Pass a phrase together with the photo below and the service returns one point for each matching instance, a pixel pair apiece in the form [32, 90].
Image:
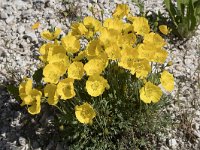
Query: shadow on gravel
[20, 130]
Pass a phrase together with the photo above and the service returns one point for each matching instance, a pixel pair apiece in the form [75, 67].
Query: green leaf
[172, 11]
[191, 16]
[13, 90]
[181, 6]
[37, 77]
[194, 1]
[197, 11]
[183, 28]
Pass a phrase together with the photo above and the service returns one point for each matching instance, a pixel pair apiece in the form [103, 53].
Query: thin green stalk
[59, 108]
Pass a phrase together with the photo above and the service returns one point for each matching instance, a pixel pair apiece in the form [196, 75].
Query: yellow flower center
[95, 85]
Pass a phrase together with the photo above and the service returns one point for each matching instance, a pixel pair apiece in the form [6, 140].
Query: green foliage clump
[185, 15]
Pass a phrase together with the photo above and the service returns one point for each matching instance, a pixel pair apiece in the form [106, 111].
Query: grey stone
[31, 34]
[39, 1]
[93, 1]
[53, 22]
[26, 14]
[38, 148]
[164, 148]
[2, 52]
[198, 113]
[4, 15]
[14, 28]
[3, 134]
[21, 29]
[2, 25]
[13, 46]
[19, 4]
[10, 19]
[173, 143]
[22, 141]
[39, 4]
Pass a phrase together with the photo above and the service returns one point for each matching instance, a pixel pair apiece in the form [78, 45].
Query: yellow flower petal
[78, 29]
[76, 70]
[92, 23]
[167, 81]
[50, 92]
[121, 10]
[96, 85]
[35, 106]
[113, 51]
[141, 25]
[71, 43]
[25, 89]
[36, 25]
[94, 66]
[163, 29]
[113, 24]
[51, 35]
[150, 93]
[160, 56]
[53, 72]
[65, 88]
[154, 39]
[85, 113]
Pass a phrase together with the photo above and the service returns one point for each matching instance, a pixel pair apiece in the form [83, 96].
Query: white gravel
[19, 45]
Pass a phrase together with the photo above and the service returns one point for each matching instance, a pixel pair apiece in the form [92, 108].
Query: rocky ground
[18, 49]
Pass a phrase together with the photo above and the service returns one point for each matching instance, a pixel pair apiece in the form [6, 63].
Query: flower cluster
[123, 39]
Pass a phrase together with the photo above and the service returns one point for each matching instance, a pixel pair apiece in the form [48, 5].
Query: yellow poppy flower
[44, 49]
[78, 29]
[154, 39]
[55, 49]
[30, 96]
[113, 24]
[96, 85]
[81, 55]
[141, 67]
[167, 81]
[107, 36]
[85, 113]
[91, 23]
[128, 56]
[35, 106]
[163, 29]
[113, 51]
[35, 25]
[94, 66]
[141, 25]
[128, 39]
[94, 48]
[121, 10]
[150, 93]
[60, 59]
[127, 28]
[65, 89]
[25, 89]
[76, 70]
[102, 56]
[53, 72]
[160, 56]
[71, 43]
[51, 35]
[50, 92]
[128, 34]
[146, 51]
